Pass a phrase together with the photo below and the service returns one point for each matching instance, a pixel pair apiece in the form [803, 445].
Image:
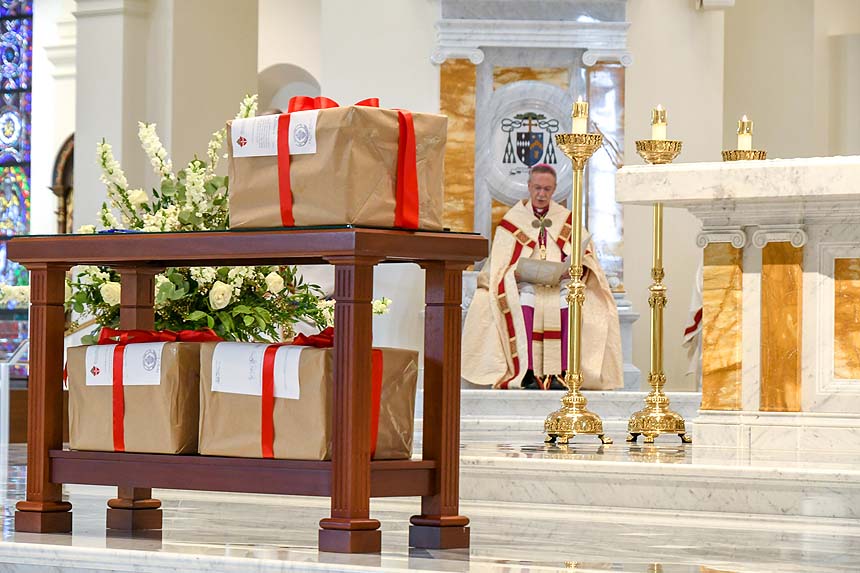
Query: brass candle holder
[656, 418]
[573, 417]
[744, 154]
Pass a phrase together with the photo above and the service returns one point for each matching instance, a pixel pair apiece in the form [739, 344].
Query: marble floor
[256, 533]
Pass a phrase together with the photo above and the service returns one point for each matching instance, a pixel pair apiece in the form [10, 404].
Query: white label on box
[237, 368]
[303, 132]
[255, 136]
[258, 136]
[141, 365]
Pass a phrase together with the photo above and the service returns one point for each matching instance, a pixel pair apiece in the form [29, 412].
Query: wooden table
[350, 478]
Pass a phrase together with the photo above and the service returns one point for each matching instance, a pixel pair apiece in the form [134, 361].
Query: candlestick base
[744, 154]
[658, 151]
[656, 418]
[573, 418]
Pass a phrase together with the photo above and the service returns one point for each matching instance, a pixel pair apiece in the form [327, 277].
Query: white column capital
[441, 54]
[592, 57]
[734, 235]
[794, 234]
[62, 54]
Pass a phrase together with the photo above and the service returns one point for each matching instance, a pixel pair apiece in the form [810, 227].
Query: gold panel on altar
[846, 323]
[722, 300]
[781, 313]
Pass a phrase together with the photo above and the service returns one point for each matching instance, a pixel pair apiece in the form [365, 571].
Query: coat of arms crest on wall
[534, 141]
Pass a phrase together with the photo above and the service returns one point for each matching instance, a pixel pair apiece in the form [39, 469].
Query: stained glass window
[16, 73]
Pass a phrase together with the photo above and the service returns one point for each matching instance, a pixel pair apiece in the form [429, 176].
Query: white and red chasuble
[495, 342]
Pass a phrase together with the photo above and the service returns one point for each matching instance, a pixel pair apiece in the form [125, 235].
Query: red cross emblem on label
[242, 141]
[95, 371]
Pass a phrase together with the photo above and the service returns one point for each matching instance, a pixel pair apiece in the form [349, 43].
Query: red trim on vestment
[697, 319]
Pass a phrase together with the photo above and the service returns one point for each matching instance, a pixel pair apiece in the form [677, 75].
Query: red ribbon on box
[406, 191]
[122, 338]
[324, 339]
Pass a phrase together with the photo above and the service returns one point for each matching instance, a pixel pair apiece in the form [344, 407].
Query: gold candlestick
[656, 418]
[573, 417]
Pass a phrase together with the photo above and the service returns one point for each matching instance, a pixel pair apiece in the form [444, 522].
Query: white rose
[138, 197]
[86, 230]
[110, 292]
[274, 282]
[220, 295]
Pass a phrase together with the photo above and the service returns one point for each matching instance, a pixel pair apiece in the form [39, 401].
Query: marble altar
[781, 312]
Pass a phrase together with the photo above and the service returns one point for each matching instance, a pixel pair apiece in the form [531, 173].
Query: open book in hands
[536, 271]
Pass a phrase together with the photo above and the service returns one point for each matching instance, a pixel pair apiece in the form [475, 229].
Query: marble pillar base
[778, 431]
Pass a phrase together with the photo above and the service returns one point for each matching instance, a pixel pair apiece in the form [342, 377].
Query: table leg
[439, 525]
[350, 528]
[133, 507]
[44, 510]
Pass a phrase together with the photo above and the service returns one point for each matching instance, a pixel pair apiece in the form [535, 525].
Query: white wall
[769, 77]
[53, 105]
[381, 48]
[289, 32]
[837, 76]
[677, 62]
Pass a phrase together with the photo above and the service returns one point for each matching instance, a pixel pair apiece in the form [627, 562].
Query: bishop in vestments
[515, 334]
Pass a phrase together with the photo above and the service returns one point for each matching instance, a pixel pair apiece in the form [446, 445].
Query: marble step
[537, 404]
[665, 478]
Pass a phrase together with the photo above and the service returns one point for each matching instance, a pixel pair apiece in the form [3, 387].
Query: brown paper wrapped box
[230, 423]
[351, 177]
[159, 419]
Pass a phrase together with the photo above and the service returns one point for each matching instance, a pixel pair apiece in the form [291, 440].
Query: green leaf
[197, 315]
[89, 339]
[210, 322]
[249, 320]
[263, 313]
[241, 309]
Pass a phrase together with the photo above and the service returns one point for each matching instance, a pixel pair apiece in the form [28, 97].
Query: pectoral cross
[542, 223]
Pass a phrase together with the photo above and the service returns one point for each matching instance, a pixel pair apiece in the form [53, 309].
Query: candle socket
[658, 151]
[744, 154]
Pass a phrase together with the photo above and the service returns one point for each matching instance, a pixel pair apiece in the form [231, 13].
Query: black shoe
[556, 382]
[530, 382]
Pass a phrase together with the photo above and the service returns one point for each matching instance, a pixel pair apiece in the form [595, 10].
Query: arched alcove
[278, 83]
